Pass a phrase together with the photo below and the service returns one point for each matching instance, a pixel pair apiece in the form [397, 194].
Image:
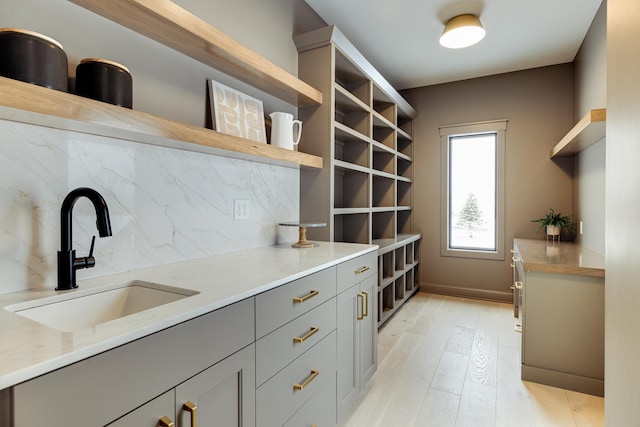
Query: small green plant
[557, 219]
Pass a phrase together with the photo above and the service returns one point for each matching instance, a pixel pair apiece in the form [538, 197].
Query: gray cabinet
[356, 330]
[103, 388]
[562, 324]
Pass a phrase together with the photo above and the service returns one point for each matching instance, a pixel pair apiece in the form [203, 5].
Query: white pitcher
[283, 129]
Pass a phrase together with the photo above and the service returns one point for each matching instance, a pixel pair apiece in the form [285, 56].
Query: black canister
[33, 58]
[105, 81]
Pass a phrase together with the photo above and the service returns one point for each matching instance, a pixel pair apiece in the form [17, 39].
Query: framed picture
[235, 113]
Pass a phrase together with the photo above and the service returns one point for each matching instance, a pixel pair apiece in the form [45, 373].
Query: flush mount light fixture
[462, 31]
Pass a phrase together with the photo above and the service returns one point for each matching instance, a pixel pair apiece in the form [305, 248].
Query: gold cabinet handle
[362, 270]
[191, 409]
[314, 374]
[303, 338]
[512, 251]
[165, 422]
[518, 285]
[310, 295]
[365, 305]
[512, 265]
[518, 327]
[361, 298]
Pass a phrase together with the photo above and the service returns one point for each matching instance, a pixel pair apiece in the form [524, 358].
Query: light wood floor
[445, 361]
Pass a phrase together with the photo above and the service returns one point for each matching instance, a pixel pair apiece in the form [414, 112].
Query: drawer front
[278, 399]
[279, 348]
[135, 373]
[278, 306]
[356, 270]
[319, 411]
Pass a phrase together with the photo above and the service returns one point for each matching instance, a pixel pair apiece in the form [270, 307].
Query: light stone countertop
[30, 349]
[560, 257]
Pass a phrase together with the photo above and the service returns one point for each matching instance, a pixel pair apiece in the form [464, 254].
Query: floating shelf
[173, 26]
[27, 103]
[589, 130]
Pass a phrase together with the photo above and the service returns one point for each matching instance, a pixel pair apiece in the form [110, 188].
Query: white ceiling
[400, 37]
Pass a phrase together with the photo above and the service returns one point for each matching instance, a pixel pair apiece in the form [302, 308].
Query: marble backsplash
[166, 205]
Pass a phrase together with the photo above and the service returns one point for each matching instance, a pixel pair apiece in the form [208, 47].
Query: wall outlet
[240, 209]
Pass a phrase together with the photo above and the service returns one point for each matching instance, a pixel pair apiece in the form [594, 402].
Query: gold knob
[314, 374]
[306, 336]
[191, 409]
[310, 295]
[165, 422]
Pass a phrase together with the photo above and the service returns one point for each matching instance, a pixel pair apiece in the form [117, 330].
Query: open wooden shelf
[173, 26]
[27, 103]
[589, 130]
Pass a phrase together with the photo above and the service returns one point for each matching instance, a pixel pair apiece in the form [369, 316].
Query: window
[472, 201]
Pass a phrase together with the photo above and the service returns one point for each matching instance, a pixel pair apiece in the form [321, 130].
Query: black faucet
[67, 261]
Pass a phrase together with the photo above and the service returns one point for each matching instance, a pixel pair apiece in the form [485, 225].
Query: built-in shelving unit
[589, 130]
[27, 103]
[173, 26]
[363, 132]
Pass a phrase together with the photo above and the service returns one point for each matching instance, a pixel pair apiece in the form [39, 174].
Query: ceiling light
[462, 31]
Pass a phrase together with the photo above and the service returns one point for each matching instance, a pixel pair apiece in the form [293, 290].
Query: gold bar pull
[313, 330]
[191, 409]
[365, 305]
[361, 298]
[310, 295]
[165, 422]
[518, 285]
[314, 374]
[518, 327]
[362, 270]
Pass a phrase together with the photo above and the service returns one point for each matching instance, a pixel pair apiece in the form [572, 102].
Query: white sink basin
[83, 309]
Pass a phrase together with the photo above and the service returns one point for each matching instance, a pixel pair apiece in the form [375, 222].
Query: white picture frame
[235, 113]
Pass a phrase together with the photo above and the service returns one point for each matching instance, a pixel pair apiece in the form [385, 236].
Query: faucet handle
[88, 261]
[93, 242]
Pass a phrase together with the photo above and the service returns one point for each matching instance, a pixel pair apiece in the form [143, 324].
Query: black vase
[105, 81]
[33, 58]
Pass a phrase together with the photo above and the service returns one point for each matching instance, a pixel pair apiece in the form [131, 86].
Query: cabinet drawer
[277, 399]
[319, 411]
[356, 270]
[276, 307]
[277, 349]
[132, 374]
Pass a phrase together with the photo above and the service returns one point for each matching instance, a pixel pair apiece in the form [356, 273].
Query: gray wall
[622, 293]
[538, 105]
[590, 82]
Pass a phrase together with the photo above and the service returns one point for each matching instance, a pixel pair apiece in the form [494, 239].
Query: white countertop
[30, 349]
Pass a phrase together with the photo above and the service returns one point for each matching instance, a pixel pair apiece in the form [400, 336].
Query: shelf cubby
[404, 193]
[385, 136]
[348, 76]
[359, 121]
[399, 258]
[405, 146]
[383, 194]
[404, 167]
[388, 298]
[408, 281]
[386, 109]
[383, 160]
[351, 147]
[352, 228]
[351, 189]
[409, 254]
[399, 290]
[386, 267]
[383, 225]
[403, 222]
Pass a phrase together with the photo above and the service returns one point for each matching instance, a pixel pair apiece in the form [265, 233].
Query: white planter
[553, 230]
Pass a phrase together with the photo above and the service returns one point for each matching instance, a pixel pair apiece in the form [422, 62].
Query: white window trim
[499, 127]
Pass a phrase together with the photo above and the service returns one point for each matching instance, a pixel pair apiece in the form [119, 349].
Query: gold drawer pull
[361, 298]
[165, 422]
[314, 374]
[311, 294]
[518, 285]
[191, 409]
[362, 270]
[313, 330]
[518, 327]
[365, 305]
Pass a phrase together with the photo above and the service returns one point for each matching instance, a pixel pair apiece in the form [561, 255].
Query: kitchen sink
[82, 309]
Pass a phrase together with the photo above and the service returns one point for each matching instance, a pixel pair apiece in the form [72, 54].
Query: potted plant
[555, 222]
